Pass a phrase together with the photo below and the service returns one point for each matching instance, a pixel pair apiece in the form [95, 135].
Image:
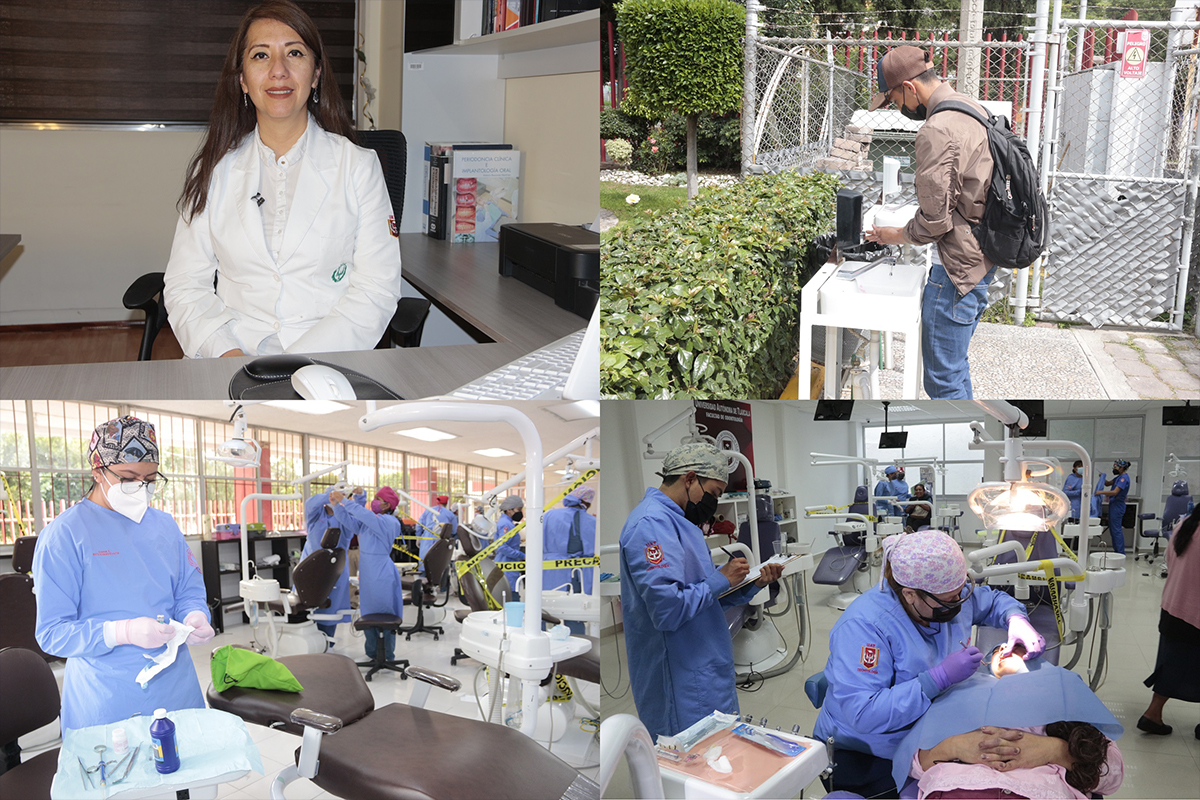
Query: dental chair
[845, 564]
[1178, 505]
[1042, 614]
[30, 699]
[400, 751]
[19, 602]
[312, 581]
[437, 568]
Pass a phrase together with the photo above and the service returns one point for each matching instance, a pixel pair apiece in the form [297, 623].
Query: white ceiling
[343, 425]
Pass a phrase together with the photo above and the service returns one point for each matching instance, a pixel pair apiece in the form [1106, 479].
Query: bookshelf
[474, 90]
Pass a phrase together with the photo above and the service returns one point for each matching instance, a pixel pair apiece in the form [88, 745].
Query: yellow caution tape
[472, 564]
[556, 563]
[562, 689]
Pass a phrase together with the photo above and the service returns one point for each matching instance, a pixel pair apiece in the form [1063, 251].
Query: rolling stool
[378, 625]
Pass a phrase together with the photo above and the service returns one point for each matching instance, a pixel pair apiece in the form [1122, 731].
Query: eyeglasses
[935, 601]
[135, 485]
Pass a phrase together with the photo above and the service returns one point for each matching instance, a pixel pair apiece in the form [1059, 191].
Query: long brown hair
[231, 119]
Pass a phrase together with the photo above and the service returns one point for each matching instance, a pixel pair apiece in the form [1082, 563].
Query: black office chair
[437, 575]
[29, 697]
[19, 619]
[407, 324]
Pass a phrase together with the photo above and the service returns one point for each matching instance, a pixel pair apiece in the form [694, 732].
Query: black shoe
[1157, 728]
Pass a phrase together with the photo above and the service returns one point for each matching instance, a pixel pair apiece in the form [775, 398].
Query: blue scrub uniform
[509, 551]
[900, 489]
[558, 526]
[876, 657]
[1073, 489]
[1116, 511]
[318, 522]
[379, 589]
[93, 565]
[680, 651]
[882, 507]
[427, 526]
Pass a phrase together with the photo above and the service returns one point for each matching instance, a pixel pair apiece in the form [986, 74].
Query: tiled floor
[578, 747]
[1155, 766]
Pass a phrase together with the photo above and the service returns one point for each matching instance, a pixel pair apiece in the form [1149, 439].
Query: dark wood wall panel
[135, 61]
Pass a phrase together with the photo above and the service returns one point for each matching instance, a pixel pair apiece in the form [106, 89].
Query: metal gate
[1123, 172]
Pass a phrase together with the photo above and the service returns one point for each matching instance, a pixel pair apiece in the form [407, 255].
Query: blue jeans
[947, 324]
[371, 643]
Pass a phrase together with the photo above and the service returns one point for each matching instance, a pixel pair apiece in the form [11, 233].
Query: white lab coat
[337, 281]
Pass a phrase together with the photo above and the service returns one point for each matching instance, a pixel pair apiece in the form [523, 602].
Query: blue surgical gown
[900, 489]
[876, 655]
[93, 565]
[680, 650]
[556, 538]
[379, 589]
[1073, 489]
[512, 550]
[1116, 503]
[427, 527]
[318, 523]
[882, 507]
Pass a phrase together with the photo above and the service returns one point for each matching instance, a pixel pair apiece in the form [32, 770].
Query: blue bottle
[162, 738]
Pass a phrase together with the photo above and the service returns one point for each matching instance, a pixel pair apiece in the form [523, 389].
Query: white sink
[868, 299]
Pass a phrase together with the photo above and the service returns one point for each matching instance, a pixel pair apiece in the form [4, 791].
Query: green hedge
[704, 301]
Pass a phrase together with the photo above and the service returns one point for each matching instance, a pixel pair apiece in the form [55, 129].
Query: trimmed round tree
[682, 56]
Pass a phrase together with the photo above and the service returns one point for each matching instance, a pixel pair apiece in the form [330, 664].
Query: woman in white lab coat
[280, 206]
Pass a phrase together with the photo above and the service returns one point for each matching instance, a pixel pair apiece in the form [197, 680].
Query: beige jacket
[954, 170]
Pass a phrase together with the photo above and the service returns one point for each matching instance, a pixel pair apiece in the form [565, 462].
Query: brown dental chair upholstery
[18, 601]
[402, 752]
[313, 579]
[29, 697]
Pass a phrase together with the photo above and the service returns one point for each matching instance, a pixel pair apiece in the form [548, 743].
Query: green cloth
[235, 666]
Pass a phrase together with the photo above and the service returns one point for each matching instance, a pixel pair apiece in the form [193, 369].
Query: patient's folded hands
[984, 746]
[1032, 750]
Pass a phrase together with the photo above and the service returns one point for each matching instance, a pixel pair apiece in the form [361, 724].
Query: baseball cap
[898, 65]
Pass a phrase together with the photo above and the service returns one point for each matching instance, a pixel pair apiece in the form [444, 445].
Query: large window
[959, 470]
[43, 465]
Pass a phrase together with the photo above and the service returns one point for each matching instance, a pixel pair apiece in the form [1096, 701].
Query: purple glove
[1019, 630]
[956, 667]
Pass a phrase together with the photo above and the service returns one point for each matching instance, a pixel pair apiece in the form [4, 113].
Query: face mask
[918, 114]
[379, 507]
[900, 476]
[940, 613]
[518, 516]
[132, 505]
[699, 513]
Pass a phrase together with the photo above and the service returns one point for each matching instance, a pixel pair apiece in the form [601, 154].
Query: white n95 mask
[128, 504]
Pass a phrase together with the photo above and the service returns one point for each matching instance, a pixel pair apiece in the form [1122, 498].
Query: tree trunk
[692, 179]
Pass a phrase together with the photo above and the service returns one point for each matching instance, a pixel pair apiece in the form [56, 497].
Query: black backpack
[1012, 232]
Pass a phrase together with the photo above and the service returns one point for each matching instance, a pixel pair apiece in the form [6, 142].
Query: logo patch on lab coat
[339, 273]
[654, 553]
[870, 656]
[392, 229]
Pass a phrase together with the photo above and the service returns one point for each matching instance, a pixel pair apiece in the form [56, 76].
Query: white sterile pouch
[167, 657]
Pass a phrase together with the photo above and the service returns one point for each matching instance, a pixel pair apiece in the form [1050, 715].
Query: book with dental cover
[485, 187]
[437, 206]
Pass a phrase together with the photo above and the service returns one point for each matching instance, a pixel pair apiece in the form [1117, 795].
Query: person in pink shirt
[1175, 674]
[1062, 759]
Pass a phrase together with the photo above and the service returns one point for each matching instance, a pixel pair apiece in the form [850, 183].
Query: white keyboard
[537, 376]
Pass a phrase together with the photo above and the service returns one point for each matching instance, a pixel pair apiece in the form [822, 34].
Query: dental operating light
[1019, 505]
[240, 450]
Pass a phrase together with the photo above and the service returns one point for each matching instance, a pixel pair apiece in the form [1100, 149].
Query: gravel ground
[639, 179]
[1013, 362]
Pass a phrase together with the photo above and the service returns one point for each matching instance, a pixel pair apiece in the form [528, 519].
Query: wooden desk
[462, 280]
[7, 242]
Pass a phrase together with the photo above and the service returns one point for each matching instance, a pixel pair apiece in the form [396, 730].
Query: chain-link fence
[1121, 166]
[1123, 172]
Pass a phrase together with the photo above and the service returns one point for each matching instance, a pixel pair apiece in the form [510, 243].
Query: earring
[245, 99]
[316, 96]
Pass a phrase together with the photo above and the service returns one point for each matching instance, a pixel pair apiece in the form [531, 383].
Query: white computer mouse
[316, 382]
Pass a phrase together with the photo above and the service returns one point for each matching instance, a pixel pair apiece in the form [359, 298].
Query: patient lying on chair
[1056, 726]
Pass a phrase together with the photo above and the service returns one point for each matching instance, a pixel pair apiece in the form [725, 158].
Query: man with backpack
[953, 174]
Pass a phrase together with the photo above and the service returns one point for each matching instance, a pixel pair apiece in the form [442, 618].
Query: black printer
[562, 261]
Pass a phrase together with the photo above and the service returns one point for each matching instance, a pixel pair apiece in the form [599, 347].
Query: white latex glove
[142, 632]
[204, 632]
